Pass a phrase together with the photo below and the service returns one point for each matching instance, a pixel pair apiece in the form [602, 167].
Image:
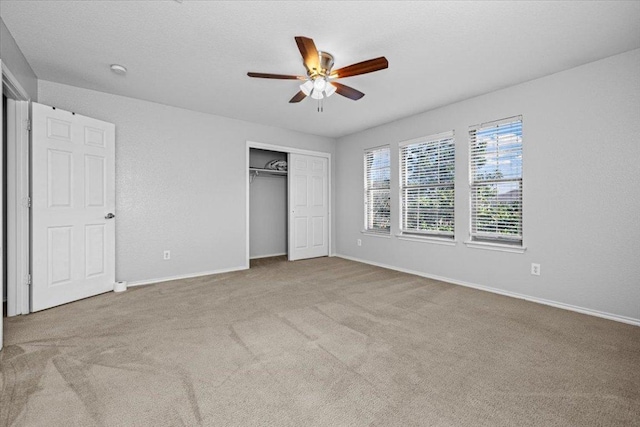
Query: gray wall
[268, 208]
[180, 181]
[581, 190]
[15, 61]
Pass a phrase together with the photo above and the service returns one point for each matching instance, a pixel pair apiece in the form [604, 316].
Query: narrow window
[427, 171]
[377, 173]
[496, 181]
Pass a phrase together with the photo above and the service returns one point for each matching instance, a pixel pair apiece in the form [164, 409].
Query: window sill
[374, 234]
[426, 239]
[500, 247]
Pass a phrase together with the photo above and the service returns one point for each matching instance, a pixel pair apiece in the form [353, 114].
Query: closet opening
[288, 203]
[268, 207]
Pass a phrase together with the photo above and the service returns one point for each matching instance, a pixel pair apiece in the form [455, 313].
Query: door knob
[109, 216]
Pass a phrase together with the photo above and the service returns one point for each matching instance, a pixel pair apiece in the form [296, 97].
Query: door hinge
[28, 201]
[28, 124]
[29, 279]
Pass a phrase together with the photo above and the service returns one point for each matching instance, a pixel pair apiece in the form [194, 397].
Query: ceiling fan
[320, 79]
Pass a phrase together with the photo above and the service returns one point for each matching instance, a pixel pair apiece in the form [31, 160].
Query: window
[496, 181]
[427, 169]
[377, 173]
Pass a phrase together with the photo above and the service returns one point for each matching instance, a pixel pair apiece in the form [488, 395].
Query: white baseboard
[267, 256]
[589, 311]
[184, 276]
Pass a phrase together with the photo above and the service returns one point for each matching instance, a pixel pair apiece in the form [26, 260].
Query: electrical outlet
[359, 242]
[167, 254]
[535, 269]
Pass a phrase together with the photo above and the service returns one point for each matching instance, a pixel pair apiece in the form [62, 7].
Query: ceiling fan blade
[275, 76]
[347, 91]
[298, 97]
[309, 52]
[363, 67]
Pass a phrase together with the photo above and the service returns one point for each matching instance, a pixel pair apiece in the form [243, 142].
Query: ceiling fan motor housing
[325, 64]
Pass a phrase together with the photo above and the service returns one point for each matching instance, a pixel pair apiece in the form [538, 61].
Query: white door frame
[288, 150]
[18, 181]
[1, 211]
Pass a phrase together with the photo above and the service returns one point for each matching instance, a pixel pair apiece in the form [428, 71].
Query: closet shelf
[257, 171]
[253, 172]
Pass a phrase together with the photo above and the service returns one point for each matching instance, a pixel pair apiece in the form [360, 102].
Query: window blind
[377, 174]
[496, 181]
[427, 171]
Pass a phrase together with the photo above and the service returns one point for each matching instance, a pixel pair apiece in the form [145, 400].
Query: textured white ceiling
[196, 54]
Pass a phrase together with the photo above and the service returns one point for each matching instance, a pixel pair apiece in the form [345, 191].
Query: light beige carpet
[324, 342]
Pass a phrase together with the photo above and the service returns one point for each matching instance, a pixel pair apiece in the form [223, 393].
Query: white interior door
[73, 203]
[308, 206]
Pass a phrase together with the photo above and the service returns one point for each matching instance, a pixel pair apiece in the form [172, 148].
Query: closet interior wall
[267, 207]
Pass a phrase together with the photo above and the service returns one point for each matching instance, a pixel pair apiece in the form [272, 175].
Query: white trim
[13, 213]
[428, 138]
[1, 216]
[496, 122]
[426, 239]
[268, 256]
[374, 234]
[500, 247]
[289, 225]
[247, 202]
[17, 209]
[288, 150]
[184, 276]
[561, 305]
[14, 88]
[379, 147]
[18, 239]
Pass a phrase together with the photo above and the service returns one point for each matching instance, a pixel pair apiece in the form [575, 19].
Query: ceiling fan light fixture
[319, 84]
[307, 87]
[316, 94]
[329, 90]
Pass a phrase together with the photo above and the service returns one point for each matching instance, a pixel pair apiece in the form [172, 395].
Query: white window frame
[368, 220]
[488, 240]
[446, 237]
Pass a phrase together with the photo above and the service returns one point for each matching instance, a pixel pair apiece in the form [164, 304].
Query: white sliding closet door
[308, 207]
